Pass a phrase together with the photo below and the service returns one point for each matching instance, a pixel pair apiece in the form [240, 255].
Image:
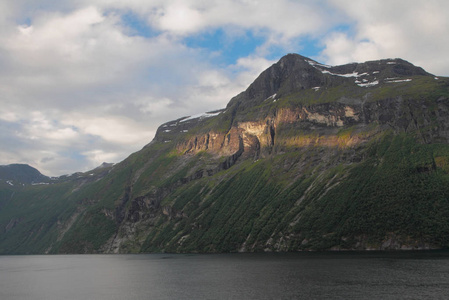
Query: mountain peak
[104, 165]
[292, 59]
[294, 73]
[291, 72]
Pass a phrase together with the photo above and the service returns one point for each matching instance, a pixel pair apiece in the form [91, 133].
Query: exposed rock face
[250, 138]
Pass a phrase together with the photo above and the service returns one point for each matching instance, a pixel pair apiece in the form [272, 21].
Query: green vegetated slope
[398, 191]
[339, 167]
[30, 216]
[35, 218]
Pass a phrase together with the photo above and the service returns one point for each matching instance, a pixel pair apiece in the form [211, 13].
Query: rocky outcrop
[323, 121]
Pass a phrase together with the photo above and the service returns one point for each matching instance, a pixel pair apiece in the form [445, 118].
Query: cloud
[113, 129]
[98, 156]
[84, 82]
[412, 30]
[292, 17]
[81, 50]
[75, 81]
[279, 23]
[179, 18]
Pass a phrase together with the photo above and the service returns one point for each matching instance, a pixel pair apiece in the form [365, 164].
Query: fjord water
[409, 275]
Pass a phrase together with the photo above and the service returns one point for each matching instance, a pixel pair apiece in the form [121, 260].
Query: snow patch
[376, 72]
[272, 97]
[184, 131]
[314, 63]
[399, 80]
[167, 130]
[201, 116]
[354, 74]
[391, 63]
[436, 78]
[368, 84]
[316, 88]
[9, 182]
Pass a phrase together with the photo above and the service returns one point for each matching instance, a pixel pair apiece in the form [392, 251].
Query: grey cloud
[46, 160]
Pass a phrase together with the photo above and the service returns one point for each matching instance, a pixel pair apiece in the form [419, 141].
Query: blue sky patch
[230, 48]
[138, 25]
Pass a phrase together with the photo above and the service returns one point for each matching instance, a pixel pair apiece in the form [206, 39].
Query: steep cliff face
[308, 157]
[252, 137]
[319, 124]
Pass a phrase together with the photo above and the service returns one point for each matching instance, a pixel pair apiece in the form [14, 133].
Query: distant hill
[308, 157]
[21, 174]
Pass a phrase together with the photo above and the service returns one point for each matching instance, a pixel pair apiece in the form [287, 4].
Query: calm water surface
[227, 276]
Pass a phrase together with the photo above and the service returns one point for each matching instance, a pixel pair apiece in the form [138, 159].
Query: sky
[89, 81]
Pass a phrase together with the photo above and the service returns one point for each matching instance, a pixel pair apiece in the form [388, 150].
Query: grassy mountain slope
[308, 157]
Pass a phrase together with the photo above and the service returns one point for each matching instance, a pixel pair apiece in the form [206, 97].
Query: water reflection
[227, 276]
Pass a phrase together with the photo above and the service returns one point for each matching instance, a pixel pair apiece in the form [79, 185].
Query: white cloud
[98, 156]
[8, 116]
[76, 81]
[75, 76]
[277, 22]
[40, 128]
[179, 18]
[114, 129]
[413, 30]
[81, 49]
[253, 66]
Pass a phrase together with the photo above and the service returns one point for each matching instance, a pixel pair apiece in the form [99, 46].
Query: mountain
[21, 174]
[308, 157]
